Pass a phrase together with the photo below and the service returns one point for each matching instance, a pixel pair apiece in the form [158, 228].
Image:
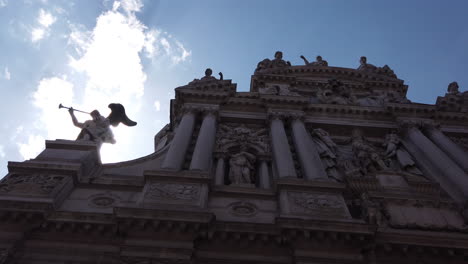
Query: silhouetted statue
[319, 61]
[98, 128]
[277, 62]
[453, 88]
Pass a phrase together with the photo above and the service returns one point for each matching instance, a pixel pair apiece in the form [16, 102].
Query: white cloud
[7, 73]
[3, 3]
[49, 94]
[44, 21]
[157, 104]
[2, 152]
[37, 34]
[32, 147]
[109, 58]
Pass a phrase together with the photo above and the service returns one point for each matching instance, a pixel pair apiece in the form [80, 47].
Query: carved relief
[336, 92]
[103, 200]
[32, 184]
[319, 204]
[243, 209]
[235, 136]
[173, 191]
[278, 89]
[418, 216]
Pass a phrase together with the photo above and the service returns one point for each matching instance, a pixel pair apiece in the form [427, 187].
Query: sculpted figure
[453, 88]
[208, 77]
[277, 62]
[319, 61]
[364, 66]
[241, 165]
[394, 150]
[98, 128]
[337, 93]
[327, 150]
[365, 154]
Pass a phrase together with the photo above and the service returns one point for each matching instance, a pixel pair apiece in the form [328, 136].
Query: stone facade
[316, 164]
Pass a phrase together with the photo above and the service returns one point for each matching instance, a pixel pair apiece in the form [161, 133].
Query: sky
[89, 53]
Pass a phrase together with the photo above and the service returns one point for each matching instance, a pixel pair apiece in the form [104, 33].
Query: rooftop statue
[98, 128]
[277, 62]
[385, 70]
[208, 77]
[453, 88]
[319, 61]
[364, 66]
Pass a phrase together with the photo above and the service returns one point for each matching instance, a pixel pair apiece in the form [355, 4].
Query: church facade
[315, 164]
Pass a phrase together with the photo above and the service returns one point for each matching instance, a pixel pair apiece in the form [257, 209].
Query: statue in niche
[241, 166]
[98, 128]
[277, 62]
[453, 88]
[336, 92]
[327, 150]
[319, 61]
[395, 152]
[366, 156]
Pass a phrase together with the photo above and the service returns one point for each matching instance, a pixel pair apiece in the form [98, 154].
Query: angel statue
[98, 128]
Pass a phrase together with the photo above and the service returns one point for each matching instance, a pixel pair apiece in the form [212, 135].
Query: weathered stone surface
[315, 164]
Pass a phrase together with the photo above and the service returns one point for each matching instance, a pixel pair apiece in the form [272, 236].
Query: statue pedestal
[44, 182]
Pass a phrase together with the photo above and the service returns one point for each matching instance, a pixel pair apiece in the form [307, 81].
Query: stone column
[448, 146]
[438, 159]
[264, 175]
[308, 155]
[202, 154]
[220, 169]
[176, 154]
[280, 146]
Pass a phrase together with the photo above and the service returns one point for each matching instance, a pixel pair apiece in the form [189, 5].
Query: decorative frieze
[32, 184]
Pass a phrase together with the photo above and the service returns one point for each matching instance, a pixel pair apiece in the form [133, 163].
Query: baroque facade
[315, 164]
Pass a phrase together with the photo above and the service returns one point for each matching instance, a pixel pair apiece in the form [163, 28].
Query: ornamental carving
[312, 202]
[173, 191]
[327, 150]
[31, 183]
[103, 200]
[231, 137]
[243, 209]
[278, 89]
